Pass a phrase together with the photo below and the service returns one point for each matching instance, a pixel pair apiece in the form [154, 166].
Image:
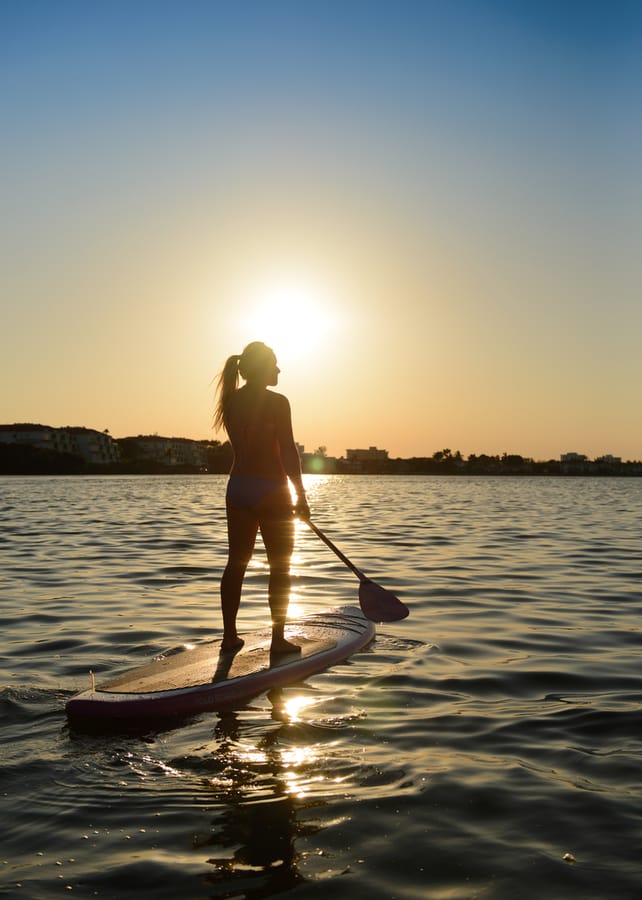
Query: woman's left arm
[290, 454]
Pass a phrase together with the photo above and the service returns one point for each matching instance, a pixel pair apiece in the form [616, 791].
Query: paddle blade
[380, 605]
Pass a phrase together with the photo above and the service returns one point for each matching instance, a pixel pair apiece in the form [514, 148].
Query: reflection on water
[489, 746]
[257, 827]
[265, 793]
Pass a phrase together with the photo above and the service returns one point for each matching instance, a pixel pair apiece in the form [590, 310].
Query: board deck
[205, 677]
[207, 664]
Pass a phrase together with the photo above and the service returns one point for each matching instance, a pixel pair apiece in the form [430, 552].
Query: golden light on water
[294, 764]
[295, 609]
[293, 706]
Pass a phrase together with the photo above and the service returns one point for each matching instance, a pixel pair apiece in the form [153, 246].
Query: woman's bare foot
[232, 643]
[280, 645]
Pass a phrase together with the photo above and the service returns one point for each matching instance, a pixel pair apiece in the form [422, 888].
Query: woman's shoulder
[246, 403]
[277, 401]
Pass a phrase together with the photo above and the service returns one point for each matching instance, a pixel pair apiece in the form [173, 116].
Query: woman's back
[254, 423]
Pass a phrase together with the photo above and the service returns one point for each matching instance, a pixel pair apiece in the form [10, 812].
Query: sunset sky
[431, 210]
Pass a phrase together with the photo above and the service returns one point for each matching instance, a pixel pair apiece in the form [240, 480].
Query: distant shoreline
[157, 470]
[215, 458]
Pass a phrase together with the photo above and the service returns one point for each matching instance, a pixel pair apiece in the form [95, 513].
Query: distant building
[370, 461]
[573, 458]
[576, 464]
[41, 436]
[372, 454]
[167, 451]
[94, 447]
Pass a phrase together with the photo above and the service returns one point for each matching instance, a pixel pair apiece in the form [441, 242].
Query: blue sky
[453, 186]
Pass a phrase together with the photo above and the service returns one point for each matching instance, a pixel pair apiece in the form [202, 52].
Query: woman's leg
[277, 531]
[242, 526]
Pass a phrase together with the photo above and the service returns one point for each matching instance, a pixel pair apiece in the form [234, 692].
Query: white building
[95, 447]
[42, 436]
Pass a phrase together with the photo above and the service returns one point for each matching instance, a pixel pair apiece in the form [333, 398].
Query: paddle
[377, 604]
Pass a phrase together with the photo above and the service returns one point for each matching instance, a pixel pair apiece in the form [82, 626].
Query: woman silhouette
[259, 426]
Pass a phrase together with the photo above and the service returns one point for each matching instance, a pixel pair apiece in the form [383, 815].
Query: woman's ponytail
[250, 364]
[226, 385]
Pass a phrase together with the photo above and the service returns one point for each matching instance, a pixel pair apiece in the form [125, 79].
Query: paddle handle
[344, 559]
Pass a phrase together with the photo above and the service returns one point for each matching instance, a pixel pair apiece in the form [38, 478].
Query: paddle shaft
[342, 556]
[377, 604]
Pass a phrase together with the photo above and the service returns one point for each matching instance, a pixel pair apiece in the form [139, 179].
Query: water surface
[487, 747]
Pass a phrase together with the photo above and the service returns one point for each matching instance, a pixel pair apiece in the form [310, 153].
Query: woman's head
[256, 365]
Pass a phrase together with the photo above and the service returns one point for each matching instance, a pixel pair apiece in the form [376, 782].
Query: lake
[489, 746]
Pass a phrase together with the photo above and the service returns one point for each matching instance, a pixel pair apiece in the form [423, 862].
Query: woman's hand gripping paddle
[377, 604]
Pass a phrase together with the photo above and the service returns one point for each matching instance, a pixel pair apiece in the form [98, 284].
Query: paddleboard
[202, 676]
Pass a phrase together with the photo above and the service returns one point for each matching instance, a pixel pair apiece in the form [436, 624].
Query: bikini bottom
[256, 493]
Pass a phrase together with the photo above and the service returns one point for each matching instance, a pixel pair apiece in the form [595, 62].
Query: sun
[294, 318]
